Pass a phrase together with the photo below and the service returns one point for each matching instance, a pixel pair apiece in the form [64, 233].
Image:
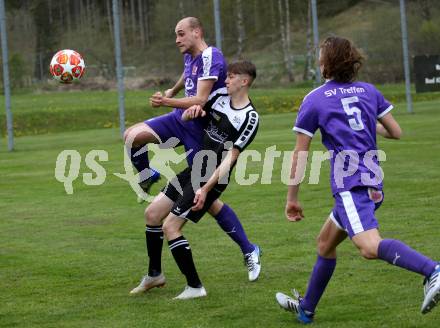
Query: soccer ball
[67, 66]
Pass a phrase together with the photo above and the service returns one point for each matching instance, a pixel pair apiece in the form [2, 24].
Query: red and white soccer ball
[67, 66]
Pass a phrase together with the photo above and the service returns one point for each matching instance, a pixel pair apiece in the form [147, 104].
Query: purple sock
[229, 222]
[397, 253]
[321, 275]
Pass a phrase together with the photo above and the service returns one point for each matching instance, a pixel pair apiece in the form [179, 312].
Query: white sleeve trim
[310, 134]
[208, 78]
[386, 111]
[207, 61]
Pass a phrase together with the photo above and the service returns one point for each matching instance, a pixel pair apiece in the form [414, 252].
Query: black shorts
[183, 197]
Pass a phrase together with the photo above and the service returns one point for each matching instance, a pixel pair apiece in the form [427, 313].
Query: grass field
[70, 260]
[54, 112]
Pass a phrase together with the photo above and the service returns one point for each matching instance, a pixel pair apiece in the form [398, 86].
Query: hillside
[150, 57]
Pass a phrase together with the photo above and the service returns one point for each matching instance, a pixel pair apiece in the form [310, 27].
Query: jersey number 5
[353, 112]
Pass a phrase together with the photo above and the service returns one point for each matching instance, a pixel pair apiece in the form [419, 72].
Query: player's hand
[193, 112]
[199, 199]
[156, 99]
[294, 211]
[169, 93]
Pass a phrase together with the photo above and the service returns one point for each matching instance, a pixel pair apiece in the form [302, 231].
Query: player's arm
[193, 112]
[388, 127]
[299, 162]
[221, 171]
[204, 88]
[180, 84]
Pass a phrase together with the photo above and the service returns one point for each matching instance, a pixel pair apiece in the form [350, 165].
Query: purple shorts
[189, 133]
[354, 210]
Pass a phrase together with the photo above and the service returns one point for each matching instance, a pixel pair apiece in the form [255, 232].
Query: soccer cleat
[293, 305]
[147, 183]
[147, 283]
[432, 291]
[252, 261]
[191, 292]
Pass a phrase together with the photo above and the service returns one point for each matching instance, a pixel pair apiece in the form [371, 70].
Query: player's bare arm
[388, 127]
[204, 88]
[180, 84]
[221, 171]
[193, 112]
[293, 209]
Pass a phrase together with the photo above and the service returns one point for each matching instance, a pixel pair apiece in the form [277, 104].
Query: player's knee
[324, 248]
[170, 230]
[368, 252]
[152, 216]
[129, 138]
[126, 134]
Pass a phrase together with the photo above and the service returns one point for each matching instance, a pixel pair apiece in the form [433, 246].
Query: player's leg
[181, 251]
[155, 130]
[397, 253]
[136, 139]
[357, 211]
[229, 222]
[155, 213]
[393, 251]
[179, 246]
[330, 236]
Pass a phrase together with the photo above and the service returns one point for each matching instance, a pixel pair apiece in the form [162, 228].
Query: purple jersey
[346, 114]
[209, 65]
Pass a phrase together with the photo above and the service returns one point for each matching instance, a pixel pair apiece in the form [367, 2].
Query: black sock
[182, 255]
[154, 240]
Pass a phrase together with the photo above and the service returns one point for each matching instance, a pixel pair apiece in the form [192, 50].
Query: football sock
[140, 162]
[154, 240]
[229, 222]
[397, 253]
[321, 275]
[182, 255]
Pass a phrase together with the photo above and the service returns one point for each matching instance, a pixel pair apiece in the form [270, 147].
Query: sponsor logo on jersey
[236, 120]
[189, 84]
[215, 134]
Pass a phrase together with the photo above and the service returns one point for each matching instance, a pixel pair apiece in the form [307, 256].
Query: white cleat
[148, 282]
[293, 305]
[191, 292]
[432, 291]
[252, 261]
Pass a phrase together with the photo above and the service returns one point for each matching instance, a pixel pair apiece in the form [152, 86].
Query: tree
[47, 35]
[240, 29]
[284, 23]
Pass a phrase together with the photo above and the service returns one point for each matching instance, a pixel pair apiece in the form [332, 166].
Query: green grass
[70, 260]
[54, 112]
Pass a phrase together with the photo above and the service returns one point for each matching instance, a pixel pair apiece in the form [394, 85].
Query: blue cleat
[432, 291]
[147, 183]
[293, 305]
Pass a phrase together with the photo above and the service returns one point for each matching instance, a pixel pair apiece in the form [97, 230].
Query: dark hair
[243, 67]
[340, 59]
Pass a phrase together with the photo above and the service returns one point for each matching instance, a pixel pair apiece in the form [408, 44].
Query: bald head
[189, 36]
[192, 23]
